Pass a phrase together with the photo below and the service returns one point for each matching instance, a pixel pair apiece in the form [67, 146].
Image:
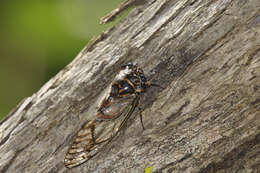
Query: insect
[116, 108]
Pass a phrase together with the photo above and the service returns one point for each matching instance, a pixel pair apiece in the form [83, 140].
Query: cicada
[115, 109]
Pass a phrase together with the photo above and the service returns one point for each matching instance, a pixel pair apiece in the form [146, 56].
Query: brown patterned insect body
[115, 109]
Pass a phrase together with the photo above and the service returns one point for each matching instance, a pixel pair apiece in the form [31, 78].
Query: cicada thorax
[122, 93]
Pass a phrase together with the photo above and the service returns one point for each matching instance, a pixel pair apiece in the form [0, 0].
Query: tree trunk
[207, 119]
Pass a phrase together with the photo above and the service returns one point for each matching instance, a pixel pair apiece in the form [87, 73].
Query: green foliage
[148, 170]
[38, 38]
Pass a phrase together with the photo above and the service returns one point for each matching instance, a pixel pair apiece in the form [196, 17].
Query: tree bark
[207, 119]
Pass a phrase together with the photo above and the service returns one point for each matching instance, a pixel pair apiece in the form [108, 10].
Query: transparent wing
[95, 135]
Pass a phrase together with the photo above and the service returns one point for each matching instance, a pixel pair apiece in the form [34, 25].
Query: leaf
[148, 170]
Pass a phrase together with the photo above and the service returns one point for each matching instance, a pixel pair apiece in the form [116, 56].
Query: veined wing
[95, 135]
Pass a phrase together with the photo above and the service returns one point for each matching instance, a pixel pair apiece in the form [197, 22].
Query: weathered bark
[207, 119]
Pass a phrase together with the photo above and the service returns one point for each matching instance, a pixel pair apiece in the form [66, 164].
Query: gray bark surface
[206, 53]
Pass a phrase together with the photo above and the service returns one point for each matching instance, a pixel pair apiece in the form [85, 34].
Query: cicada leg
[149, 84]
[141, 115]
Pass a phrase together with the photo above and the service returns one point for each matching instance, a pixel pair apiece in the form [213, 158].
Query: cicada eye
[123, 67]
[129, 65]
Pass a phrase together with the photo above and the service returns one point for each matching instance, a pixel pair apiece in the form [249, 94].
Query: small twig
[116, 12]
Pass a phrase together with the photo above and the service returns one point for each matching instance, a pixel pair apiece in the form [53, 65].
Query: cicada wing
[79, 151]
[123, 119]
[110, 129]
[93, 137]
[88, 142]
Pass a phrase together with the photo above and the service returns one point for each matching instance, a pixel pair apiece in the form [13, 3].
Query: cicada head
[134, 75]
[127, 69]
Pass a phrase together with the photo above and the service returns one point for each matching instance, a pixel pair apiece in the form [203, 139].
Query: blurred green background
[39, 38]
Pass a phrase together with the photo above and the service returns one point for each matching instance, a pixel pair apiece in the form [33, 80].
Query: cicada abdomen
[116, 108]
